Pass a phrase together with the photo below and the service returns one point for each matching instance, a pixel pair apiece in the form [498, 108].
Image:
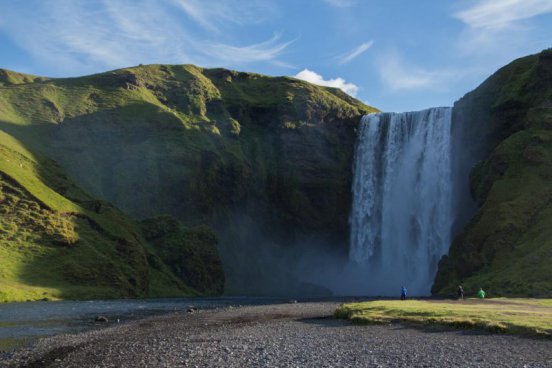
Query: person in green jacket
[481, 294]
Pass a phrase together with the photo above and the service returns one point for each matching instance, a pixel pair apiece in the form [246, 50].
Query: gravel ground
[285, 335]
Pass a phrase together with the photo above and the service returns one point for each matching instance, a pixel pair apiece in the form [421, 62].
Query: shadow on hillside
[100, 264]
[107, 151]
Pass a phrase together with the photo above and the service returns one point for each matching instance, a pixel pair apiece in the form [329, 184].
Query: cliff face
[264, 161]
[506, 248]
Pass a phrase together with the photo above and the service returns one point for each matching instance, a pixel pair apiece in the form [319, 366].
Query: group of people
[460, 292]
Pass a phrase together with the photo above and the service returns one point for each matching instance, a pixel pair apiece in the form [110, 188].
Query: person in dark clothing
[460, 292]
[403, 293]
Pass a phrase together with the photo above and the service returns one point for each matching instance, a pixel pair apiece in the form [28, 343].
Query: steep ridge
[507, 246]
[266, 162]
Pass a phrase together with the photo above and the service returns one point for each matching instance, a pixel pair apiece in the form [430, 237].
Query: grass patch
[518, 316]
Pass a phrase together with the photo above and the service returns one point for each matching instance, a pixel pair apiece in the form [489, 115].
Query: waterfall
[402, 199]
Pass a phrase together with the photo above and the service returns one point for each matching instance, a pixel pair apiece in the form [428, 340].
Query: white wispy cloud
[493, 14]
[356, 52]
[210, 15]
[315, 78]
[283, 64]
[341, 3]
[495, 32]
[73, 37]
[263, 51]
[397, 76]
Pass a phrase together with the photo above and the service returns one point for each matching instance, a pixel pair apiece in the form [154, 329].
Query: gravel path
[285, 335]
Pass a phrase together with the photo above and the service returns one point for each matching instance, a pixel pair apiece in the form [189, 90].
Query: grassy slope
[523, 316]
[200, 145]
[53, 244]
[507, 247]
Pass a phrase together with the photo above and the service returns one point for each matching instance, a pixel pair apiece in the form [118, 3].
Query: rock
[102, 319]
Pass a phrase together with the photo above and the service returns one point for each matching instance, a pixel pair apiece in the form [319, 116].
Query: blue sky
[397, 55]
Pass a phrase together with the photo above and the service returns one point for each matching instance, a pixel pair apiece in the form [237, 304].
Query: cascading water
[402, 199]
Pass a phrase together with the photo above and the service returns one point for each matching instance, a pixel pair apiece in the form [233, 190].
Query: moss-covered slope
[507, 246]
[58, 243]
[198, 262]
[244, 153]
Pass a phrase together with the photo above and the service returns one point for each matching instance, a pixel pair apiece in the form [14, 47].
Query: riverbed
[23, 323]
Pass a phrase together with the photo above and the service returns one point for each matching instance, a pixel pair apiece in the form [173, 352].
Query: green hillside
[238, 152]
[507, 246]
[57, 242]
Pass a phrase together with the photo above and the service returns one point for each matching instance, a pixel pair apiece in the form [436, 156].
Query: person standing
[481, 294]
[403, 293]
[460, 292]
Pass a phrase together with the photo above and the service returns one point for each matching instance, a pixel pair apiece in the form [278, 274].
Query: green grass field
[519, 316]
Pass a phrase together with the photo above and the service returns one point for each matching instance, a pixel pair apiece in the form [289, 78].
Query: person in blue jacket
[403, 293]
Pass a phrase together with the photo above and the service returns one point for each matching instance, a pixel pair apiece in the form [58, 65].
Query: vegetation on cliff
[206, 146]
[190, 253]
[507, 247]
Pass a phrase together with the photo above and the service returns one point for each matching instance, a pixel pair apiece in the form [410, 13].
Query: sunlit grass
[522, 316]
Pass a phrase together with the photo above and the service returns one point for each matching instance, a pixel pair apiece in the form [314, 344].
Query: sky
[396, 55]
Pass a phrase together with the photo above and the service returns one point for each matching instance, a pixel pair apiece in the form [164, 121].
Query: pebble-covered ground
[285, 335]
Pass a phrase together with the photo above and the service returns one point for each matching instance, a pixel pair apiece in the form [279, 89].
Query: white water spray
[402, 193]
